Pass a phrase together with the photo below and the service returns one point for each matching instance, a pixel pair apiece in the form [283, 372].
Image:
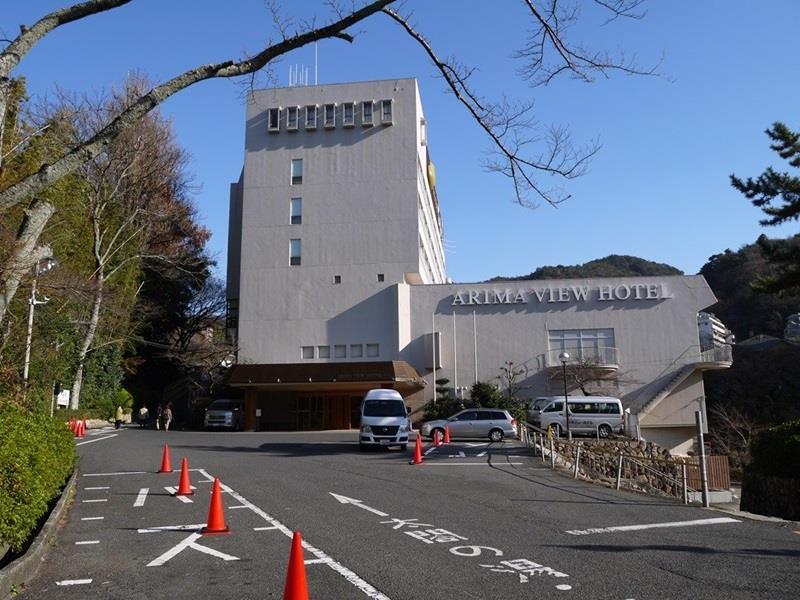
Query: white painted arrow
[459, 455]
[359, 504]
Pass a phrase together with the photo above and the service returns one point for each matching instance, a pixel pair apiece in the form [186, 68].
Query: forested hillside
[614, 265]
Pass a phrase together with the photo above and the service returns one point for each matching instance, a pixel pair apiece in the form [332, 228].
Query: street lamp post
[42, 266]
[564, 357]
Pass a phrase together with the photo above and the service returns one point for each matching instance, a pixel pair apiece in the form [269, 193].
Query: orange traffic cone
[72, 424]
[446, 434]
[296, 587]
[81, 433]
[417, 451]
[184, 487]
[84, 424]
[437, 440]
[216, 520]
[166, 467]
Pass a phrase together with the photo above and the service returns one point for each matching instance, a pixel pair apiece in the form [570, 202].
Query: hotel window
[356, 350]
[348, 114]
[294, 252]
[337, 279]
[311, 116]
[423, 132]
[380, 277]
[386, 112]
[297, 171]
[329, 115]
[373, 351]
[340, 351]
[292, 116]
[323, 351]
[274, 119]
[593, 346]
[307, 352]
[296, 211]
[366, 113]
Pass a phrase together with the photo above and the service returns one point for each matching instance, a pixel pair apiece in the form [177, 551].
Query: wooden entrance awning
[398, 375]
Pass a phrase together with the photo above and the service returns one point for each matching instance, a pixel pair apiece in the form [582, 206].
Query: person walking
[143, 414]
[118, 417]
[159, 415]
[167, 416]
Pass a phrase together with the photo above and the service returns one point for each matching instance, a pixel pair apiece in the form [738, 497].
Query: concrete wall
[654, 336]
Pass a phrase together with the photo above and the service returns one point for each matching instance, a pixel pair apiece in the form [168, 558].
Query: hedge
[776, 451]
[37, 456]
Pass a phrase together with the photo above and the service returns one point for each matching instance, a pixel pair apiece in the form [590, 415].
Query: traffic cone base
[185, 486]
[296, 586]
[216, 519]
[166, 467]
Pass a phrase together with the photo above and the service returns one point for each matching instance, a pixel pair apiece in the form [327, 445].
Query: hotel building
[337, 283]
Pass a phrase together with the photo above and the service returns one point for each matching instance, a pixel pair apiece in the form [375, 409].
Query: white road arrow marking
[459, 455]
[359, 504]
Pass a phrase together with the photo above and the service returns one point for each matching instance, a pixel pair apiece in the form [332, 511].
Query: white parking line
[118, 473]
[164, 528]
[265, 528]
[351, 577]
[102, 487]
[100, 439]
[141, 497]
[715, 521]
[472, 464]
[482, 454]
[87, 542]
[92, 518]
[172, 490]
[74, 582]
[96, 500]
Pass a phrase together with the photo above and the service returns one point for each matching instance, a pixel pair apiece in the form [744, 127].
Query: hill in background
[614, 265]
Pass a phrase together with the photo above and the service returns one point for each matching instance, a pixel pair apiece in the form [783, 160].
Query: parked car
[494, 423]
[594, 415]
[384, 420]
[227, 414]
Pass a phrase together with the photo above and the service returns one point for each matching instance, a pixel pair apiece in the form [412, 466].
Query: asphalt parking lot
[475, 520]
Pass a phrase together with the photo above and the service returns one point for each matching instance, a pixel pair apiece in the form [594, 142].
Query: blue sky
[659, 188]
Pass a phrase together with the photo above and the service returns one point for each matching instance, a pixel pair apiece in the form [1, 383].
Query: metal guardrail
[581, 460]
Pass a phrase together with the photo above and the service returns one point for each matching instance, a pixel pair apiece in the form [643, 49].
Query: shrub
[37, 455]
[776, 451]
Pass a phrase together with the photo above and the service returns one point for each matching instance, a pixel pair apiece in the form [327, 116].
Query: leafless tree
[522, 153]
[587, 375]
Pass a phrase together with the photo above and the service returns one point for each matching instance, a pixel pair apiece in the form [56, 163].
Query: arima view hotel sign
[567, 293]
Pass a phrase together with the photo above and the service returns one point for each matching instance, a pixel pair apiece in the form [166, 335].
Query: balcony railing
[718, 354]
[601, 358]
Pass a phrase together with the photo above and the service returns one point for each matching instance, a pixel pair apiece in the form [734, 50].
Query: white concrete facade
[368, 281]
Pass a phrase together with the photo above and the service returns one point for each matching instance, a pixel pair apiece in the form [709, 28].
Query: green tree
[777, 194]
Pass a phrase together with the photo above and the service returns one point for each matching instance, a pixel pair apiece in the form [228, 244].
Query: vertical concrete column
[250, 402]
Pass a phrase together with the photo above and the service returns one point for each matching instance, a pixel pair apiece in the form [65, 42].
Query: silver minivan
[227, 414]
[384, 420]
[596, 415]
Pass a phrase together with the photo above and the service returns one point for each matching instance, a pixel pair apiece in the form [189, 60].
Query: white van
[384, 420]
[596, 415]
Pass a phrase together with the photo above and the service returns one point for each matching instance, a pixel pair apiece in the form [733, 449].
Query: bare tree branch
[86, 151]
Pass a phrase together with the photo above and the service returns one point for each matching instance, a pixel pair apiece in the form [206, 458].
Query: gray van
[225, 414]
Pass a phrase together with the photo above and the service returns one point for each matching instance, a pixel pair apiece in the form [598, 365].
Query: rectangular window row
[340, 351]
[337, 279]
[346, 113]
